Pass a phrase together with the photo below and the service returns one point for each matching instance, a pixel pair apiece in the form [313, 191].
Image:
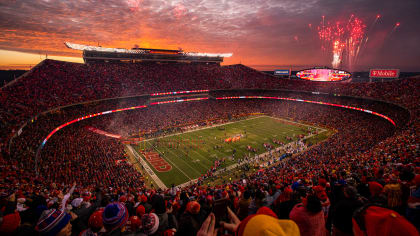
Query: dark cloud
[258, 32]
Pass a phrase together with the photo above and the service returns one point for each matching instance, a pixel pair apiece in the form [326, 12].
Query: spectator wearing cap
[150, 224]
[140, 211]
[114, 218]
[54, 222]
[95, 224]
[77, 203]
[309, 216]
[190, 221]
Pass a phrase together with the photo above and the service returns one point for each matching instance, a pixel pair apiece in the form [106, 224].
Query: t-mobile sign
[384, 73]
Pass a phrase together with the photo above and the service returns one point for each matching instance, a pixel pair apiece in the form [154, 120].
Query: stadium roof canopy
[98, 53]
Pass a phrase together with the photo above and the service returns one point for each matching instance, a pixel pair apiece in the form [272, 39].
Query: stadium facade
[94, 54]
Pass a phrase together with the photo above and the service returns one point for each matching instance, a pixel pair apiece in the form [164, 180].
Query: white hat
[77, 202]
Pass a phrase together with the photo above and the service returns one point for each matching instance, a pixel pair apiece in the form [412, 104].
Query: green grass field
[196, 152]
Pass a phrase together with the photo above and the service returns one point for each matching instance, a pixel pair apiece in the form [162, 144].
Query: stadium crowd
[363, 180]
[53, 84]
[91, 160]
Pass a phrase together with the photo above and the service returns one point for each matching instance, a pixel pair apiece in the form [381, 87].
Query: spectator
[374, 220]
[309, 217]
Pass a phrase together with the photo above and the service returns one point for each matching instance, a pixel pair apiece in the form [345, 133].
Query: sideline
[146, 166]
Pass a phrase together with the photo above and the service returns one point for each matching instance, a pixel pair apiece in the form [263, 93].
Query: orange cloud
[262, 32]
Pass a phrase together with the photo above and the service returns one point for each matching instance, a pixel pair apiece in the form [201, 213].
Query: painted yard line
[176, 165]
[211, 141]
[209, 161]
[188, 156]
[191, 135]
[146, 166]
[204, 158]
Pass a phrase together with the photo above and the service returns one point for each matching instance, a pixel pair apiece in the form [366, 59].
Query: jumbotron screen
[323, 74]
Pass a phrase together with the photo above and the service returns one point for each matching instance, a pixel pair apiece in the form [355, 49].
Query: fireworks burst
[343, 39]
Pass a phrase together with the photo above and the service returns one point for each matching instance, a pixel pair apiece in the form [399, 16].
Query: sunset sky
[264, 34]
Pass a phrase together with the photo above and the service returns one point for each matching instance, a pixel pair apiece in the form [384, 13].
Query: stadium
[149, 141]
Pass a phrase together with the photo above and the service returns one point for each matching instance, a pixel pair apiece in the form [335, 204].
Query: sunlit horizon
[264, 34]
[29, 60]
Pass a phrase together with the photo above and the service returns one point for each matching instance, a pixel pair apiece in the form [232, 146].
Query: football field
[179, 158]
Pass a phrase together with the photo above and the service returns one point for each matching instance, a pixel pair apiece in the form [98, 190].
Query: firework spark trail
[323, 24]
[356, 34]
[360, 49]
[378, 16]
[349, 22]
[394, 29]
[389, 35]
[362, 46]
[348, 42]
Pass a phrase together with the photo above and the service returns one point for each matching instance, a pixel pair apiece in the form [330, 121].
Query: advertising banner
[282, 72]
[384, 73]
